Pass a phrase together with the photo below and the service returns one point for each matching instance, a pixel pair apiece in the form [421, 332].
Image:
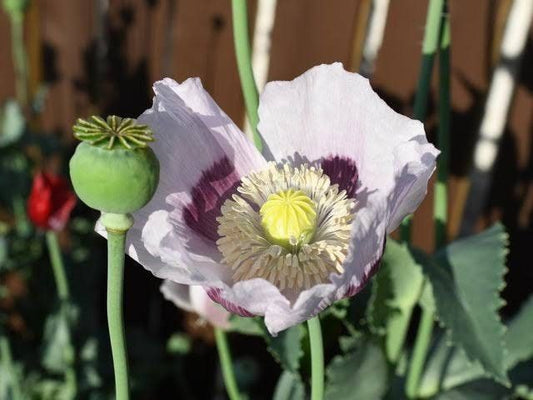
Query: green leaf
[12, 123]
[519, 336]
[361, 374]
[289, 387]
[466, 278]
[10, 372]
[349, 342]
[484, 389]
[179, 343]
[338, 310]
[286, 348]
[58, 352]
[3, 250]
[396, 289]
[247, 326]
[90, 376]
[449, 367]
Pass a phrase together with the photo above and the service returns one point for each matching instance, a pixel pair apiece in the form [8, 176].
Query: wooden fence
[102, 56]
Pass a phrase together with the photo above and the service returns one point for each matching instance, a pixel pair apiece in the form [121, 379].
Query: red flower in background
[50, 201]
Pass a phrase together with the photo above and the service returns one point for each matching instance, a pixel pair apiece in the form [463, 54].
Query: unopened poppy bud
[113, 170]
[50, 201]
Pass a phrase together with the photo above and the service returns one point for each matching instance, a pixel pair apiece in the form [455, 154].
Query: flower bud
[50, 201]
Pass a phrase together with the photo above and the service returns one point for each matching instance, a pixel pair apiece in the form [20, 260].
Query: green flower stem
[63, 293]
[6, 361]
[226, 364]
[244, 64]
[22, 223]
[117, 225]
[441, 189]
[416, 365]
[441, 203]
[397, 326]
[317, 359]
[19, 57]
[429, 48]
[57, 266]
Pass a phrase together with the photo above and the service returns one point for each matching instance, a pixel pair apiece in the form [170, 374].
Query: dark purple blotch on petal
[343, 172]
[215, 294]
[215, 186]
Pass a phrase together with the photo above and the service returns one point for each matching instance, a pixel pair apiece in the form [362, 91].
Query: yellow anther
[289, 218]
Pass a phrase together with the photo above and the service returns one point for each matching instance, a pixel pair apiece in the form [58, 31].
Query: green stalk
[317, 359]
[22, 222]
[226, 364]
[19, 57]
[441, 189]
[418, 358]
[63, 293]
[397, 328]
[57, 266]
[117, 225]
[244, 64]
[440, 206]
[7, 365]
[429, 48]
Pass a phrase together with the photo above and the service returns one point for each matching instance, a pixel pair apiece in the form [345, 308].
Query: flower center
[288, 225]
[289, 218]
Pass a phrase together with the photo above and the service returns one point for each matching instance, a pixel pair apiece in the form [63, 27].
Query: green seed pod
[113, 170]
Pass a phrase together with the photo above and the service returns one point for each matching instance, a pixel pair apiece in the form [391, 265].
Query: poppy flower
[50, 201]
[286, 233]
[194, 299]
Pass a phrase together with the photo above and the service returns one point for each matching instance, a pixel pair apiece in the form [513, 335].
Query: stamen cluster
[246, 247]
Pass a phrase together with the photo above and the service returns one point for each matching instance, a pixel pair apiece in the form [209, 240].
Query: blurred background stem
[427, 321]
[58, 266]
[20, 67]
[429, 48]
[63, 294]
[19, 57]
[6, 360]
[226, 364]
[244, 64]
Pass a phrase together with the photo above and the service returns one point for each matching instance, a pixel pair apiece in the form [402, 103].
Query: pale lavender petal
[328, 115]
[208, 309]
[178, 294]
[260, 297]
[382, 159]
[193, 136]
[194, 299]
